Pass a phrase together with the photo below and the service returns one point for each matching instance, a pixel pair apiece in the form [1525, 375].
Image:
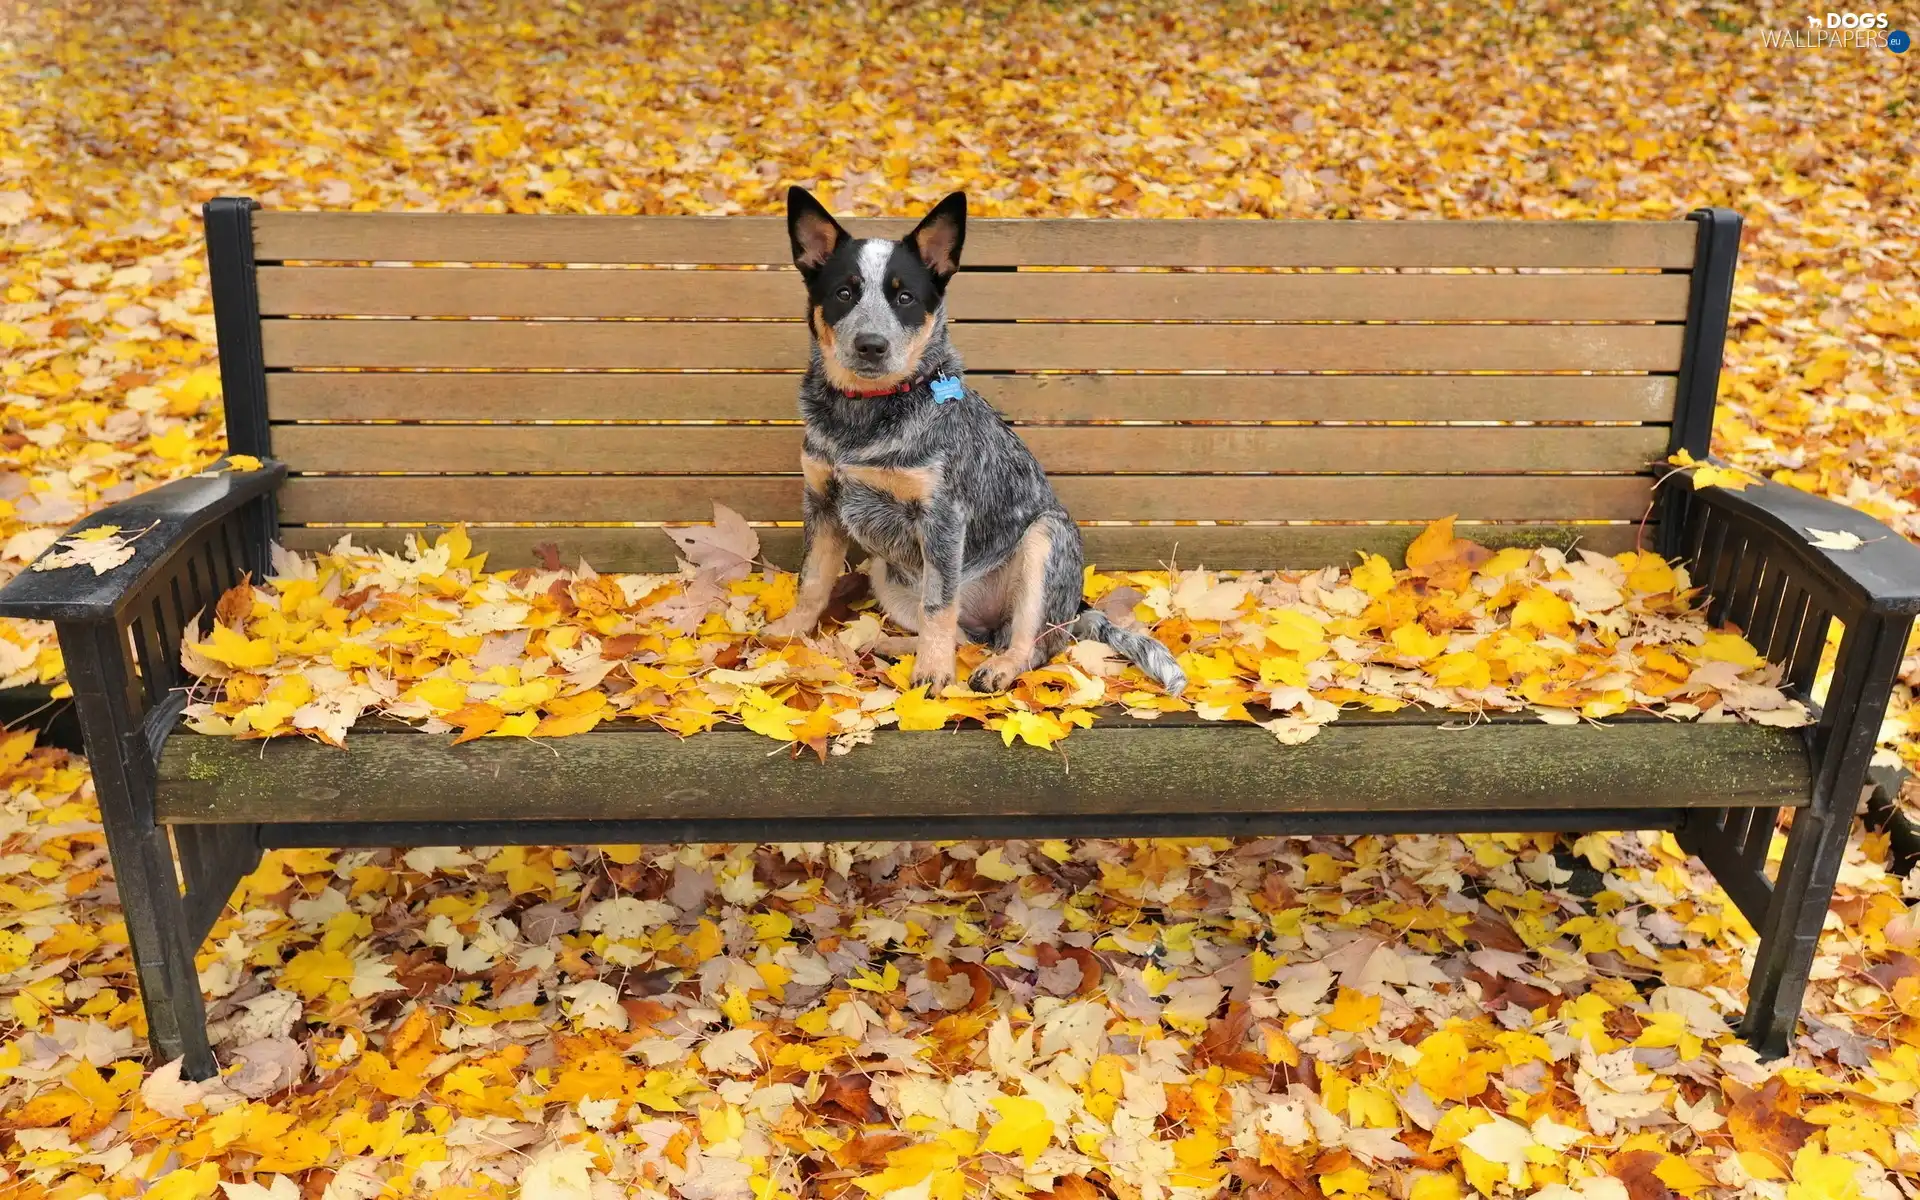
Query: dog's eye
[904, 299]
[845, 294]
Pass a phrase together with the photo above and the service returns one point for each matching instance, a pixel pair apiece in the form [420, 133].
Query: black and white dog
[905, 462]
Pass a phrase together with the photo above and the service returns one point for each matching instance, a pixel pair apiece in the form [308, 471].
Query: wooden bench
[1298, 414]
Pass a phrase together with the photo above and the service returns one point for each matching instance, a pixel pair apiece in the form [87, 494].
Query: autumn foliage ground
[1410, 1017]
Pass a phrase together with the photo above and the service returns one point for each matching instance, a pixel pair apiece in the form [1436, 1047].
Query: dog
[903, 461]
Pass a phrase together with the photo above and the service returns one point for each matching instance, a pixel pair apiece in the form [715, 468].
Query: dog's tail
[1143, 650]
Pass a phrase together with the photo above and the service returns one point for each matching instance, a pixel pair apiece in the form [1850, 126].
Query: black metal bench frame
[1749, 548]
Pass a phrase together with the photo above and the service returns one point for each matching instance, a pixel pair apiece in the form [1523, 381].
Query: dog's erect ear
[815, 234]
[938, 238]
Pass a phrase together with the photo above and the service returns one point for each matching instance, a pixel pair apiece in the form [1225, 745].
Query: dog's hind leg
[1029, 639]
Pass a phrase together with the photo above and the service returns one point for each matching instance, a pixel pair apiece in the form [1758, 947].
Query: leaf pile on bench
[430, 636]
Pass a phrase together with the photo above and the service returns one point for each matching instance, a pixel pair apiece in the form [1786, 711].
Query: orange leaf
[475, 720]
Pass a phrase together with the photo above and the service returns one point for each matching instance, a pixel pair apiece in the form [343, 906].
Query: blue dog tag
[948, 387]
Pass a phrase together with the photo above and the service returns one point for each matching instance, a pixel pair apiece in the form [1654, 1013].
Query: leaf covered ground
[1264, 1010]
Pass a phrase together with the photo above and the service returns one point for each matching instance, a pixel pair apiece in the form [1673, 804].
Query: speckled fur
[952, 507]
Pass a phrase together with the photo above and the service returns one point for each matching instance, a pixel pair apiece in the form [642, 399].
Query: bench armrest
[1881, 576]
[173, 515]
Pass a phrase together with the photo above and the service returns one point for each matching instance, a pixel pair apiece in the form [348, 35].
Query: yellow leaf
[1650, 573]
[1726, 647]
[1353, 1011]
[1505, 562]
[312, 972]
[1435, 1187]
[1298, 633]
[737, 1007]
[886, 981]
[1820, 1176]
[1023, 1128]
[236, 650]
[916, 712]
[1462, 669]
[1373, 576]
[1434, 543]
[242, 462]
[1732, 479]
[1541, 610]
[442, 693]
[186, 1183]
[564, 726]
[909, 1165]
[1413, 641]
[1447, 1070]
[1035, 729]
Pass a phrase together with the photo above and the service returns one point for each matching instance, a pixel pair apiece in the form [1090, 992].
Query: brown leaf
[1635, 1170]
[236, 605]
[1490, 929]
[549, 555]
[848, 590]
[620, 648]
[870, 1149]
[1118, 605]
[1765, 1120]
[724, 550]
[1071, 1187]
[846, 1097]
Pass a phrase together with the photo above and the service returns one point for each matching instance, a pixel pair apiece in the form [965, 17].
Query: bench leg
[159, 927]
[1842, 745]
[163, 929]
[1816, 844]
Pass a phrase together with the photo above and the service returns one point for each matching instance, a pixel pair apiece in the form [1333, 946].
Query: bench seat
[1401, 772]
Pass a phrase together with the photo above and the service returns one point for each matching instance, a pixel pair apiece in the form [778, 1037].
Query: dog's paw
[997, 674]
[786, 628]
[936, 676]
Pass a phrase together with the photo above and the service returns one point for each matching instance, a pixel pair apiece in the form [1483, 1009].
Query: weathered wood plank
[1052, 296]
[781, 345]
[1062, 449]
[1224, 547]
[588, 499]
[1132, 768]
[482, 237]
[596, 396]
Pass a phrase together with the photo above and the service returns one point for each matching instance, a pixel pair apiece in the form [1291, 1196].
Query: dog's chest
[880, 506]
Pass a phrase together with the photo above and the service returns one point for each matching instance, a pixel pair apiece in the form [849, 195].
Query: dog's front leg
[826, 557]
[943, 544]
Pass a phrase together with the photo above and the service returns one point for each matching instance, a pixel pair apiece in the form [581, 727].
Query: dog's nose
[870, 345]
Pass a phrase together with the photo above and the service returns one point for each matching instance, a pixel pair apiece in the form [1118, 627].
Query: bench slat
[1062, 449]
[484, 237]
[516, 396]
[308, 500]
[777, 345]
[1133, 768]
[1105, 296]
[311, 500]
[1223, 547]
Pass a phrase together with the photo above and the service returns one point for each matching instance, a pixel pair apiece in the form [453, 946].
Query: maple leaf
[722, 551]
[1023, 1128]
[101, 547]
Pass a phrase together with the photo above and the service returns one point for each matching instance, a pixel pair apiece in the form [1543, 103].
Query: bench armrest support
[173, 515]
[1754, 553]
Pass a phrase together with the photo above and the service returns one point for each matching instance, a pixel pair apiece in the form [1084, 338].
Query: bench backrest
[1305, 388]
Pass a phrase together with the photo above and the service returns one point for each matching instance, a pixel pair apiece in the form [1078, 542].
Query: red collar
[895, 390]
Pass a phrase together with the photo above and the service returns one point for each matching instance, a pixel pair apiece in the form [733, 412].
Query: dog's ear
[938, 238]
[814, 232]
